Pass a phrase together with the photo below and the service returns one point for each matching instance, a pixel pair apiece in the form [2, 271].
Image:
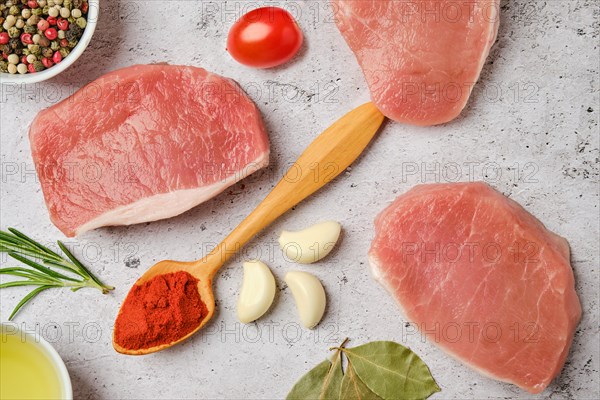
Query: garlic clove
[311, 244]
[309, 295]
[258, 291]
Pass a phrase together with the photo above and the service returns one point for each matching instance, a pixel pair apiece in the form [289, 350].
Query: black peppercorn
[38, 66]
[47, 52]
[44, 41]
[73, 33]
[15, 43]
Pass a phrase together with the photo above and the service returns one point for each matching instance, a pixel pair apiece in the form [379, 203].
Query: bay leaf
[392, 371]
[353, 388]
[323, 382]
[309, 386]
[333, 383]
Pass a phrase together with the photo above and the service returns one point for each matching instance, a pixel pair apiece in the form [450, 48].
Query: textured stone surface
[530, 130]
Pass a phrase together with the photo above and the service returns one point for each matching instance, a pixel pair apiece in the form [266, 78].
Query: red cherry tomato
[264, 38]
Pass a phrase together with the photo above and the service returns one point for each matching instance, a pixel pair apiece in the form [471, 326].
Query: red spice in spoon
[160, 311]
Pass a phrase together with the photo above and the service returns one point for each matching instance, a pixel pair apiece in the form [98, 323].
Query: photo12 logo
[53, 332]
[470, 252]
[272, 251]
[91, 252]
[473, 171]
[271, 332]
[472, 332]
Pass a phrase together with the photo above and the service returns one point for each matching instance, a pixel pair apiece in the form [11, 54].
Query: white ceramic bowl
[52, 354]
[92, 20]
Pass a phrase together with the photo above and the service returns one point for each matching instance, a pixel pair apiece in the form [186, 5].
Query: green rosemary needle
[40, 267]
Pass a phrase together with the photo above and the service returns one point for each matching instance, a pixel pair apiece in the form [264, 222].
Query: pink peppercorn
[26, 38]
[47, 62]
[43, 25]
[51, 33]
[24, 60]
[4, 38]
[64, 42]
[63, 24]
[51, 20]
[84, 8]
[32, 4]
[31, 68]
[57, 57]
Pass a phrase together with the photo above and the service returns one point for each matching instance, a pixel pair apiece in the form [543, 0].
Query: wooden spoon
[324, 159]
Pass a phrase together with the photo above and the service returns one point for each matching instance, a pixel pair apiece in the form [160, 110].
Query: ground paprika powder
[161, 310]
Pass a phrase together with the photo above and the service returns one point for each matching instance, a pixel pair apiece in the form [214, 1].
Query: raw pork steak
[144, 143]
[420, 58]
[482, 278]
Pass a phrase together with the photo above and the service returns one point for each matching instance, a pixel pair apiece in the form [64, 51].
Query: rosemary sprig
[40, 267]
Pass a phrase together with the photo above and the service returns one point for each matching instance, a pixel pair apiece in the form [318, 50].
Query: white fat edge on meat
[167, 205]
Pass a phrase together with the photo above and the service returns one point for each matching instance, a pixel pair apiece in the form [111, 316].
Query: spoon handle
[325, 158]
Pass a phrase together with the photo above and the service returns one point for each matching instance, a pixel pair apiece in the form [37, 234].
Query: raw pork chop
[420, 58]
[482, 278]
[144, 143]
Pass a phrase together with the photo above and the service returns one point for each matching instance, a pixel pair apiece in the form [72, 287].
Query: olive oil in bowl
[30, 369]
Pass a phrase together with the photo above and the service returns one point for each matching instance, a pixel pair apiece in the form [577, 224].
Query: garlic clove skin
[311, 244]
[309, 295]
[258, 291]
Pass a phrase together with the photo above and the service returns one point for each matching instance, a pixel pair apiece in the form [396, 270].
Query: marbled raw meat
[421, 58]
[482, 278]
[144, 143]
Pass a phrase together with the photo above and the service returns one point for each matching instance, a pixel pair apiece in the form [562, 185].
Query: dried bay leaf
[333, 382]
[376, 371]
[392, 371]
[309, 386]
[321, 383]
[355, 389]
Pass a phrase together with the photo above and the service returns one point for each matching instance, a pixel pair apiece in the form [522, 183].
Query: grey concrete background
[530, 130]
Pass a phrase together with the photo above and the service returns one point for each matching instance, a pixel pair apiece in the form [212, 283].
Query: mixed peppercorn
[36, 34]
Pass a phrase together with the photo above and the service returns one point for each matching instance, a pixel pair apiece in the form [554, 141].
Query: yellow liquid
[26, 371]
